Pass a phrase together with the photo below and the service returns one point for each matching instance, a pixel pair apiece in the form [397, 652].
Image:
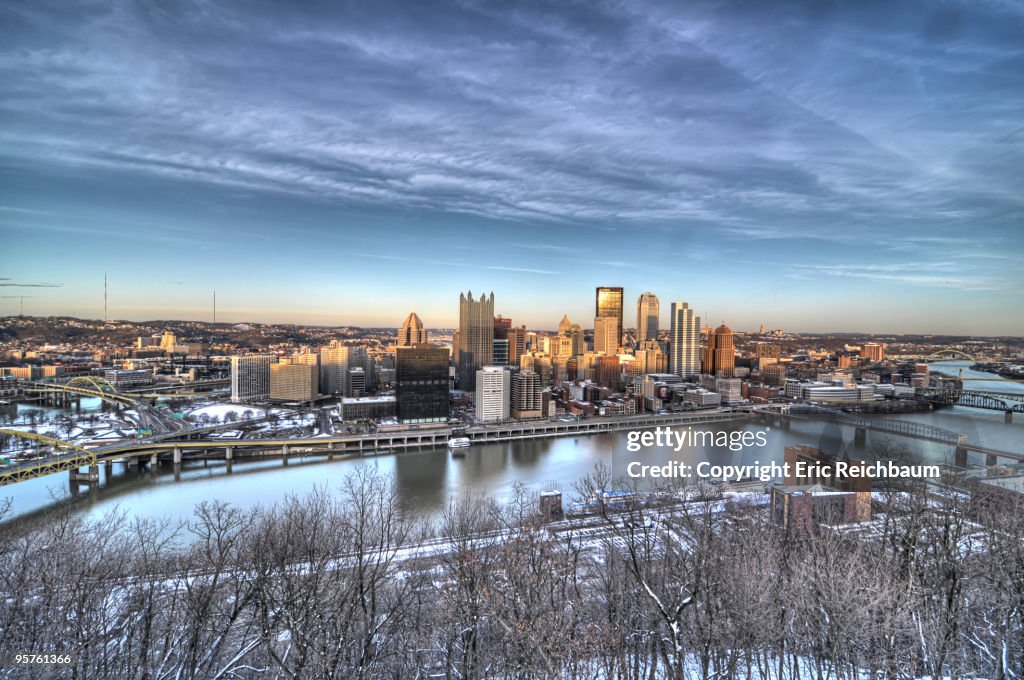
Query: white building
[250, 377]
[493, 388]
[128, 377]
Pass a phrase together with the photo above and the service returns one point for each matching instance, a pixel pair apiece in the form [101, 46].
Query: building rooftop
[1013, 483]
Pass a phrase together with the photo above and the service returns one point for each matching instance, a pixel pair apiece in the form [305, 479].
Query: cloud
[626, 114]
[30, 285]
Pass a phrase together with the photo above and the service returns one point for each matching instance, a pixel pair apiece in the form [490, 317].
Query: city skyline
[810, 167]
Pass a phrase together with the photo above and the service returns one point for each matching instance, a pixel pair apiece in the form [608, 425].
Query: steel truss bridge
[67, 457]
[1008, 402]
[903, 428]
[92, 386]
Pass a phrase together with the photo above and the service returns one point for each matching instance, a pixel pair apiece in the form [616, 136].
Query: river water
[428, 479]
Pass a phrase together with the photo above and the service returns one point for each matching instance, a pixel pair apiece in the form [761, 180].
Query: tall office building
[476, 337]
[293, 380]
[526, 395]
[412, 331]
[873, 351]
[684, 353]
[648, 311]
[493, 393]
[516, 344]
[564, 325]
[501, 327]
[250, 377]
[608, 320]
[421, 383]
[501, 352]
[359, 357]
[356, 382]
[719, 356]
[334, 368]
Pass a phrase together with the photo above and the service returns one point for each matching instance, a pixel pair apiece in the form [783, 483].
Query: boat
[457, 444]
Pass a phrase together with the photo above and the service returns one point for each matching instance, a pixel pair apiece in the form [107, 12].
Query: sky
[813, 166]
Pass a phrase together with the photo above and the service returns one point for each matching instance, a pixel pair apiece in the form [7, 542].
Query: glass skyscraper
[421, 383]
[684, 354]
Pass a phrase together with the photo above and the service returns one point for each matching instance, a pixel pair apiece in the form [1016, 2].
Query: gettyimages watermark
[735, 441]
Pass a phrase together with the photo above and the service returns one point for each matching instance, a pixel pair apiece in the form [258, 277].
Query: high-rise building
[292, 380]
[608, 306]
[564, 325]
[500, 352]
[767, 350]
[412, 331]
[606, 334]
[719, 355]
[609, 371]
[476, 337]
[648, 311]
[250, 377]
[493, 393]
[526, 395]
[872, 351]
[501, 326]
[421, 383]
[359, 357]
[684, 352]
[516, 344]
[334, 368]
[356, 382]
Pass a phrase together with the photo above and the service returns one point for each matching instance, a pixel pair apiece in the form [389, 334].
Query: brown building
[609, 372]
[719, 355]
[804, 509]
[873, 351]
[814, 458]
[516, 344]
[412, 332]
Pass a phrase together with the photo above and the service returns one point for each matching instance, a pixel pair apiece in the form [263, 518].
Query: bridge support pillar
[177, 456]
[154, 460]
[1008, 418]
[991, 460]
[108, 470]
[860, 436]
[228, 453]
[330, 451]
[960, 457]
[285, 451]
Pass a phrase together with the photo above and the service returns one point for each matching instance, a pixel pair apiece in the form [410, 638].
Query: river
[428, 479]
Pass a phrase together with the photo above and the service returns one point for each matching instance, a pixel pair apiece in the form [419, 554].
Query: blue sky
[812, 166]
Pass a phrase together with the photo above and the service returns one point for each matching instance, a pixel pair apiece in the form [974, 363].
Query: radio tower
[214, 308]
[104, 297]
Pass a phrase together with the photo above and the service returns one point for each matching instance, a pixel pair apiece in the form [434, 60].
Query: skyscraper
[250, 377]
[421, 383]
[719, 356]
[684, 354]
[526, 395]
[608, 306]
[412, 331]
[516, 344]
[648, 309]
[334, 368]
[293, 380]
[493, 393]
[476, 337]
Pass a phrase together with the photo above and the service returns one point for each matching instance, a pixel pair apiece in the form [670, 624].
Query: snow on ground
[220, 411]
